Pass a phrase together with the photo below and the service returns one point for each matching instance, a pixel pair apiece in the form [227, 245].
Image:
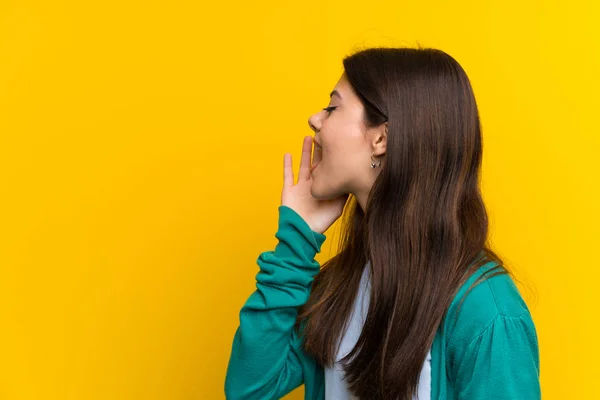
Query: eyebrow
[336, 93]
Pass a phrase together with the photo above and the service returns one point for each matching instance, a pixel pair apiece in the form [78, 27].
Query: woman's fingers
[288, 172]
[305, 160]
[304, 173]
[317, 153]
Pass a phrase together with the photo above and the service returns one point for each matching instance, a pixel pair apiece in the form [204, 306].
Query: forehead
[342, 89]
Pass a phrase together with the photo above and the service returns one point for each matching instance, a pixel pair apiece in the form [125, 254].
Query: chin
[316, 193]
[323, 195]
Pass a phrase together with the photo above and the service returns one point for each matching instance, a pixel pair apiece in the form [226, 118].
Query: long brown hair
[424, 229]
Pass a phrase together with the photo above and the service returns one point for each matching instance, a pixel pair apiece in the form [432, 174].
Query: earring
[373, 162]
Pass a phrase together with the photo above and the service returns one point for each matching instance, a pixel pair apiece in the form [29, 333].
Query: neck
[363, 194]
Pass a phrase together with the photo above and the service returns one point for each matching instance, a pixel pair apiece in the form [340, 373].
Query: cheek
[337, 151]
[342, 161]
[342, 142]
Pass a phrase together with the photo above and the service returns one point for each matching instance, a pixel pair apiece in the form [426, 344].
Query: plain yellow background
[141, 152]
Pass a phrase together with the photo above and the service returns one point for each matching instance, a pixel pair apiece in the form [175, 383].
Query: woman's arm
[493, 348]
[267, 360]
[501, 363]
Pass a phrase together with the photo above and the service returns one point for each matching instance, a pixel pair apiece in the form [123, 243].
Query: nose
[314, 122]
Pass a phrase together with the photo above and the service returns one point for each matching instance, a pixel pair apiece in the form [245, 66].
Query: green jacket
[491, 352]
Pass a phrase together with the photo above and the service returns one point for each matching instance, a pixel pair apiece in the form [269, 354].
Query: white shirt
[335, 385]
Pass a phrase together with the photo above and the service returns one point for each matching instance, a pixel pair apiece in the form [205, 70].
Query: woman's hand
[318, 214]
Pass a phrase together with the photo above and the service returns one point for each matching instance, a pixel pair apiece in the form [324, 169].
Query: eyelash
[329, 109]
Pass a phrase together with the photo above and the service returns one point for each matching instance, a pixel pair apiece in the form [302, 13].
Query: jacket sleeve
[267, 360]
[500, 363]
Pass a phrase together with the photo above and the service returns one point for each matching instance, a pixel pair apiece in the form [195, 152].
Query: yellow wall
[141, 145]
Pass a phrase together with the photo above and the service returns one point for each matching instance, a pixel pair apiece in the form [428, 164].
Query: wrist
[294, 230]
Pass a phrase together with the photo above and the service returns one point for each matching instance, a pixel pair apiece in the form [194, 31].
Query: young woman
[415, 305]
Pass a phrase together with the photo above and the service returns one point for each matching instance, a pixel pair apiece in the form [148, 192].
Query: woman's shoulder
[490, 340]
[488, 298]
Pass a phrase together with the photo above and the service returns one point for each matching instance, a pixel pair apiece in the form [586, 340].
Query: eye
[329, 109]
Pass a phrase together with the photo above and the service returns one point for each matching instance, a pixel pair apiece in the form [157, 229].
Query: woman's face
[343, 146]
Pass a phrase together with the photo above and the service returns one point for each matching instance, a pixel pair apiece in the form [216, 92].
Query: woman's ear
[379, 139]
